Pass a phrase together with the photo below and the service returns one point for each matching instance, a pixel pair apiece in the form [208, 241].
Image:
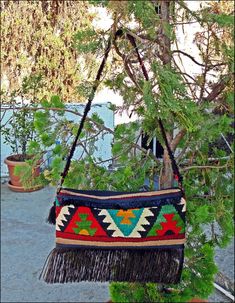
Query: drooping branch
[195, 61]
[184, 75]
[99, 125]
[204, 167]
[126, 64]
[192, 13]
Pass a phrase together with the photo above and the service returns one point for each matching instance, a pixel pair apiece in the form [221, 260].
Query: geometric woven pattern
[118, 223]
[121, 220]
[64, 217]
[144, 222]
[168, 222]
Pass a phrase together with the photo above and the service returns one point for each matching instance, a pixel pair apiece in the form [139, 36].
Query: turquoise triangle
[127, 227]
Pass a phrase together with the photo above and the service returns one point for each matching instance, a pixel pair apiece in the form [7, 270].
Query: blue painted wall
[103, 144]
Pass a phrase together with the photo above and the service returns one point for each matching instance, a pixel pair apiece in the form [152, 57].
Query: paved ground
[25, 243]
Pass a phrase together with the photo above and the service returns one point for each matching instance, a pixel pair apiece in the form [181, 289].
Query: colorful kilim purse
[117, 236]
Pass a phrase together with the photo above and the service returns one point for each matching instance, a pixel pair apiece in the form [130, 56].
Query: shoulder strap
[174, 165]
[85, 113]
[88, 106]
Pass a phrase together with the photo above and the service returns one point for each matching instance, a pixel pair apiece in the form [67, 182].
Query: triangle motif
[107, 223]
[84, 223]
[168, 222]
[64, 216]
[125, 220]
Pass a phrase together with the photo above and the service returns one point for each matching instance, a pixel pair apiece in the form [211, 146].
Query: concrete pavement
[26, 240]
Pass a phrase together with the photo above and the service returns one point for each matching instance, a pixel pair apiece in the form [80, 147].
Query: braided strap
[119, 33]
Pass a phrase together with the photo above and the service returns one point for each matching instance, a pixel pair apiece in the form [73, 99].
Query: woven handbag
[117, 236]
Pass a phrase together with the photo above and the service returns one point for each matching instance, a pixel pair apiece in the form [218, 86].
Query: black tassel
[52, 215]
[70, 265]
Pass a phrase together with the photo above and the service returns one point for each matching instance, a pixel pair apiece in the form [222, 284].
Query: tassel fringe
[70, 265]
[51, 219]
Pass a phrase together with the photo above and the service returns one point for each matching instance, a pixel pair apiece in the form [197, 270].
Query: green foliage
[195, 284]
[57, 102]
[149, 17]
[29, 174]
[209, 194]
[167, 95]
[45, 46]
[99, 2]
[85, 89]
[148, 97]
[82, 38]
[173, 98]
[20, 130]
[32, 83]
[223, 20]
[132, 292]
[96, 118]
[20, 134]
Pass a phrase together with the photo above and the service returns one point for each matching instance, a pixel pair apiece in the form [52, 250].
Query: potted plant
[18, 132]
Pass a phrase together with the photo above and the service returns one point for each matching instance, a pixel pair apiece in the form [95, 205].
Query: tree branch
[126, 66]
[177, 139]
[204, 75]
[195, 61]
[204, 167]
[217, 89]
[183, 75]
[99, 125]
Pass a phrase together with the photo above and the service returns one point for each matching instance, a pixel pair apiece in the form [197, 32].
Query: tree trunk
[165, 55]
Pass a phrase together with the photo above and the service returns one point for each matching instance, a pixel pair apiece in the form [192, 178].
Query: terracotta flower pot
[15, 183]
[197, 300]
